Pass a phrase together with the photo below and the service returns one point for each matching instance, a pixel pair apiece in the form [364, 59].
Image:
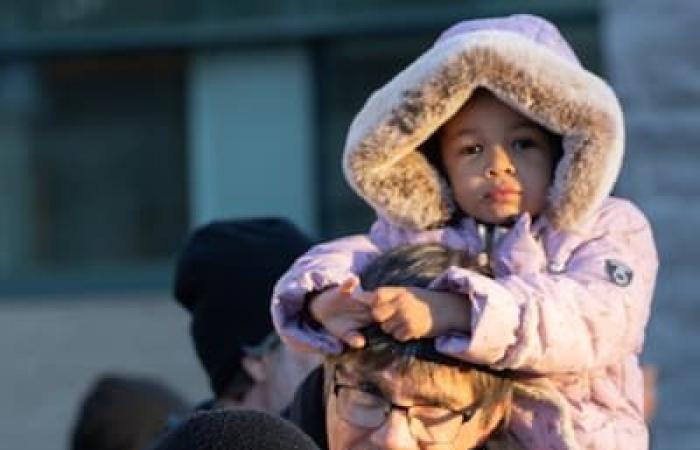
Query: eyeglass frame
[467, 413]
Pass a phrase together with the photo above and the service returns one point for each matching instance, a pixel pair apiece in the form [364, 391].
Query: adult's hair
[124, 413]
[414, 265]
[235, 430]
[417, 266]
[224, 278]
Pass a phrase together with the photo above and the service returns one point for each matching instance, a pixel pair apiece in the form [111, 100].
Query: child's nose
[499, 163]
[395, 433]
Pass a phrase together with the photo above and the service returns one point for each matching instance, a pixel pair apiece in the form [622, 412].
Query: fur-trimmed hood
[525, 62]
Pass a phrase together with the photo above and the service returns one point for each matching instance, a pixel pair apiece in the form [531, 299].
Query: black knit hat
[224, 277]
[235, 430]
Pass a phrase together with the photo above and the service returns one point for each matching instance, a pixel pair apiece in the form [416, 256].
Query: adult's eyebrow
[364, 383]
[439, 398]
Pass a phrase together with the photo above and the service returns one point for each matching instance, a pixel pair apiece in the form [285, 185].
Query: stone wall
[653, 62]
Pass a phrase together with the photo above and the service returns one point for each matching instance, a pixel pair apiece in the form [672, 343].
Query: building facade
[126, 124]
[123, 125]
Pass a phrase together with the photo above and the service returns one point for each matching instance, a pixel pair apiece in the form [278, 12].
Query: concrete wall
[52, 349]
[654, 64]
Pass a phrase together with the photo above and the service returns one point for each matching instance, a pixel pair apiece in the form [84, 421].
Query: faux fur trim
[381, 161]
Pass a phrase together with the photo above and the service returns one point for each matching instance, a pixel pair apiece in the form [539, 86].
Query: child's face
[499, 163]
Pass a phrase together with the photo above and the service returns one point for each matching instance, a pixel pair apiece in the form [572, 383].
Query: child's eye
[471, 150]
[523, 144]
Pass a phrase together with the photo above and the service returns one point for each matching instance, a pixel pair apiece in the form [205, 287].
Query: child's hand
[341, 314]
[413, 313]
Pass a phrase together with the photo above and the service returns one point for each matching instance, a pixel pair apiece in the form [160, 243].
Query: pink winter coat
[572, 291]
[559, 306]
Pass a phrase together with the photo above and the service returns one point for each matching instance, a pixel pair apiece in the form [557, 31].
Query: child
[497, 142]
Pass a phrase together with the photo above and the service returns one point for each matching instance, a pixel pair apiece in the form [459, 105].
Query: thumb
[365, 297]
[354, 339]
[348, 286]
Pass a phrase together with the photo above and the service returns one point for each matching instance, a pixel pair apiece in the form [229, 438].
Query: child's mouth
[502, 194]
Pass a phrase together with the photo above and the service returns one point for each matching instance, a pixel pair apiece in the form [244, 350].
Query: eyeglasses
[363, 408]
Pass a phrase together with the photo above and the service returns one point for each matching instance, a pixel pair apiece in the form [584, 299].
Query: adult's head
[124, 413]
[224, 278]
[394, 395]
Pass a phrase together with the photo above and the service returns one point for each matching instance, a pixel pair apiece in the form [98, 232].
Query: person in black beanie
[224, 278]
[235, 430]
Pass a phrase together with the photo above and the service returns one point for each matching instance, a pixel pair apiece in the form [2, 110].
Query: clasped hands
[402, 312]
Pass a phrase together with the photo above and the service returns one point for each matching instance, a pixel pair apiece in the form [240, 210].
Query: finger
[385, 296]
[357, 311]
[383, 311]
[402, 334]
[348, 286]
[357, 319]
[354, 339]
[391, 325]
[364, 297]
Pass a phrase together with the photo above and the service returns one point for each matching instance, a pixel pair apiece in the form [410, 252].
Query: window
[94, 165]
[348, 71]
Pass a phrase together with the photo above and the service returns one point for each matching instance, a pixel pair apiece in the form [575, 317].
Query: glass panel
[94, 163]
[343, 90]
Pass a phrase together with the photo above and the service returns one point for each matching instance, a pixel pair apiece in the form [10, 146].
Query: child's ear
[255, 367]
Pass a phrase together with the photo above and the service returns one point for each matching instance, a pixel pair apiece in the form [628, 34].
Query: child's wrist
[307, 315]
[457, 315]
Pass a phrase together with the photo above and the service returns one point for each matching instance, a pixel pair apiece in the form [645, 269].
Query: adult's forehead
[422, 383]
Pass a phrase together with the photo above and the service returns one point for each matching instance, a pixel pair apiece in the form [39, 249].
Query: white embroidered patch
[556, 267]
[618, 272]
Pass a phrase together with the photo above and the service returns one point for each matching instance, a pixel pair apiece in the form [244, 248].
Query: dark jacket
[308, 410]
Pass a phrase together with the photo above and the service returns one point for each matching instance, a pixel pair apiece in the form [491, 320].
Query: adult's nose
[498, 163]
[395, 433]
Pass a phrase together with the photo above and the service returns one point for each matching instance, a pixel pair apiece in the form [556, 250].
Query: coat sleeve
[325, 265]
[589, 315]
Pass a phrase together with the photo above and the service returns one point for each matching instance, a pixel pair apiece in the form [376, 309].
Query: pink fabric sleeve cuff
[286, 308]
[494, 317]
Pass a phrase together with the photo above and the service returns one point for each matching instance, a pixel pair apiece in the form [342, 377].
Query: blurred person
[498, 141]
[121, 412]
[395, 395]
[224, 276]
[235, 430]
